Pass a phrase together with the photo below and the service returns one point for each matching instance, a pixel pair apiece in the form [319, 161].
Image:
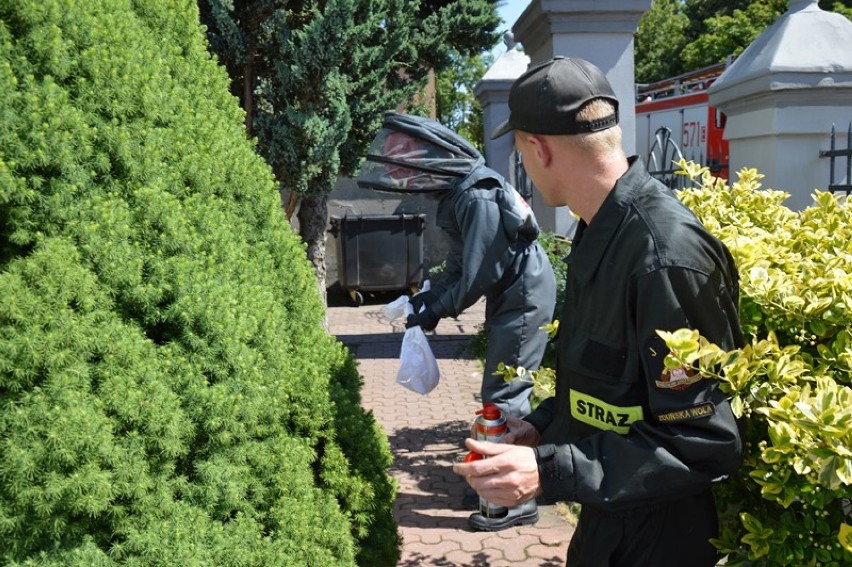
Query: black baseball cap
[546, 98]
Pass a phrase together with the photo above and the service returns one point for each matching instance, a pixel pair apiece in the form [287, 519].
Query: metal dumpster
[379, 252]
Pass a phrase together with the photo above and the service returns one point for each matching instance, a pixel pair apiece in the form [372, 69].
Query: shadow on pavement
[336, 296]
[476, 560]
[420, 450]
[424, 457]
[387, 345]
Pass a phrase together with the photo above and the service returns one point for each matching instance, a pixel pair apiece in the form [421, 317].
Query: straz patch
[695, 412]
[602, 415]
[677, 378]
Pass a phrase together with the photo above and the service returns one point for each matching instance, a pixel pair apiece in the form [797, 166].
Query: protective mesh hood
[412, 154]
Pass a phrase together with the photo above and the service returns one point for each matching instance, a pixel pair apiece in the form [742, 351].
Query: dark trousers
[673, 535]
[513, 321]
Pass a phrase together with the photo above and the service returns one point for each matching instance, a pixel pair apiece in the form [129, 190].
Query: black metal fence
[662, 156]
[665, 152]
[835, 153]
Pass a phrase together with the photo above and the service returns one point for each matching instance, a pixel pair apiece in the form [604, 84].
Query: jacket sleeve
[542, 415]
[485, 253]
[688, 436]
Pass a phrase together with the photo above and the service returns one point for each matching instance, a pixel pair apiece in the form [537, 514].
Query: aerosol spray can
[491, 426]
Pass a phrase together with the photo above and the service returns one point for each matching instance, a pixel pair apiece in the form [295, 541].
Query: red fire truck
[674, 119]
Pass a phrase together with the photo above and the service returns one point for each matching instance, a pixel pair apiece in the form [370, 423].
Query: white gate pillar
[782, 95]
[493, 94]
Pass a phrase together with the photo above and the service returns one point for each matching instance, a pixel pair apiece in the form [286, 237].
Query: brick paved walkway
[426, 435]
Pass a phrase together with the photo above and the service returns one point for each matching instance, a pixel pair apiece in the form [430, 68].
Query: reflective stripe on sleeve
[602, 415]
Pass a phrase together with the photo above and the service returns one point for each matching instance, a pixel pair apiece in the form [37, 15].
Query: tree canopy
[315, 79]
[677, 36]
[457, 107]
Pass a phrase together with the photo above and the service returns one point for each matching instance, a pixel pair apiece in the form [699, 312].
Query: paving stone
[486, 557]
[426, 436]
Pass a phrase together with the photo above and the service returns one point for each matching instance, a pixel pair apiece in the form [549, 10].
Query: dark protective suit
[493, 251]
[639, 446]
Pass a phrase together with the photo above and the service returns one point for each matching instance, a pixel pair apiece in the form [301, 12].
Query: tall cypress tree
[316, 77]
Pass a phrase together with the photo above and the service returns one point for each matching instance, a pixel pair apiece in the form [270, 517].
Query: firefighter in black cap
[636, 444]
[493, 253]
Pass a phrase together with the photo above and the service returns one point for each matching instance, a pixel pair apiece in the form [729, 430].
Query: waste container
[379, 252]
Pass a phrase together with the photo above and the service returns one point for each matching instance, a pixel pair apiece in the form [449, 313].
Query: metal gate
[834, 153]
[662, 156]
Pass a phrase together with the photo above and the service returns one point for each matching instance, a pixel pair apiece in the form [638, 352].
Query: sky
[510, 11]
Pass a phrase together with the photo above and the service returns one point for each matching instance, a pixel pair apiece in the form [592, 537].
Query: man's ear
[541, 149]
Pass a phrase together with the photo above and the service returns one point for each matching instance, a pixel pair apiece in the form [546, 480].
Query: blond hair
[603, 141]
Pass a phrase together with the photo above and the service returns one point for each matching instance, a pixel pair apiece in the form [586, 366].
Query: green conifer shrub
[168, 392]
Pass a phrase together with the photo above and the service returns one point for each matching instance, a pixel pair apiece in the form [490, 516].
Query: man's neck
[594, 185]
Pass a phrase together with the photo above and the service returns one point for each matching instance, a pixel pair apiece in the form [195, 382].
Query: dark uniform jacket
[491, 232]
[620, 432]
[489, 226]
[493, 253]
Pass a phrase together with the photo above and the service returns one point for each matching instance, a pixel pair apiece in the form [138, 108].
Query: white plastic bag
[418, 369]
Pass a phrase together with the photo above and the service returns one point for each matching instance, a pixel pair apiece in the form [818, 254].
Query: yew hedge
[168, 392]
